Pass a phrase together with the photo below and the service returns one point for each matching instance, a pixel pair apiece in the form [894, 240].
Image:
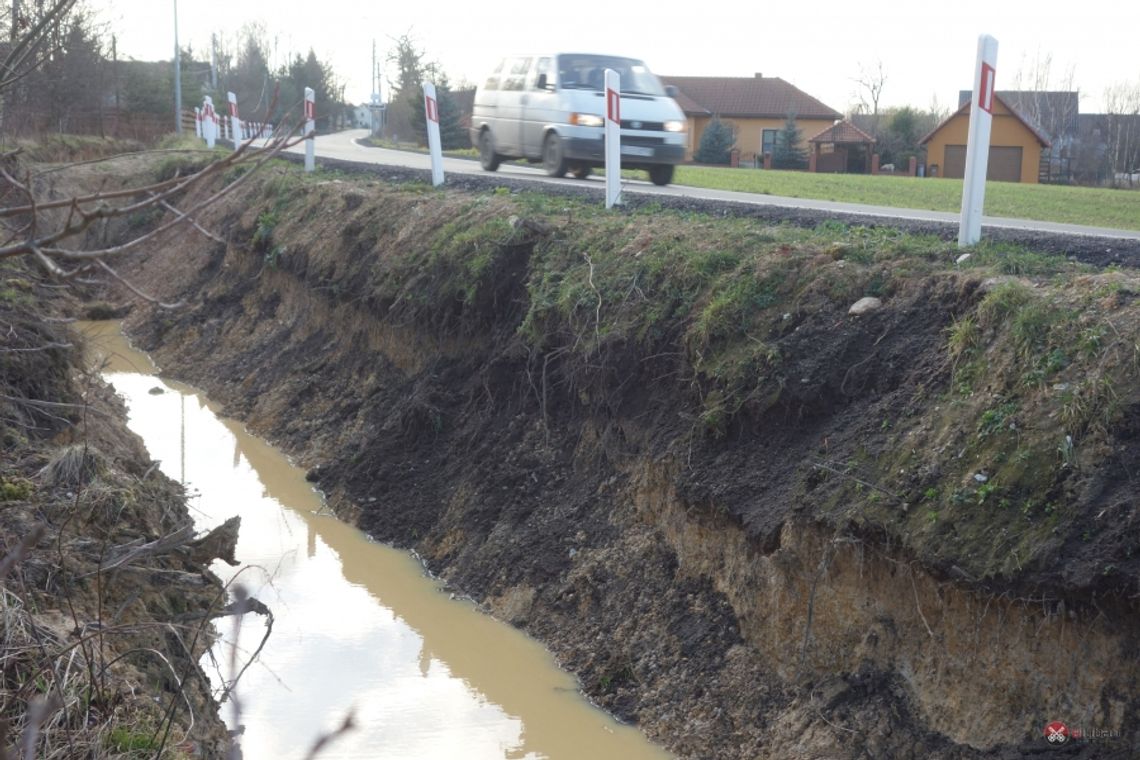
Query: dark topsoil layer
[507, 469]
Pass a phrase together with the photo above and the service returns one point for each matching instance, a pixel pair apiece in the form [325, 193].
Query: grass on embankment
[1096, 207]
[1029, 381]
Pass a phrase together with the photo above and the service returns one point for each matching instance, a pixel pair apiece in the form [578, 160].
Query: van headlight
[586, 120]
[674, 126]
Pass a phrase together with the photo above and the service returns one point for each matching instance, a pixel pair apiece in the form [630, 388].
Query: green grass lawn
[1098, 207]
[1092, 206]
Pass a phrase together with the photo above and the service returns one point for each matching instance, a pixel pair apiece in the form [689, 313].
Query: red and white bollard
[431, 116]
[978, 142]
[310, 129]
[209, 122]
[613, 138]
[235, 122]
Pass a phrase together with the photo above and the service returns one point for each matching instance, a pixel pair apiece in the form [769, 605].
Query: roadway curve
[1095, 245]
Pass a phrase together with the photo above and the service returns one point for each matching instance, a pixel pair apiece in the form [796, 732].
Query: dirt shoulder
[660, 440]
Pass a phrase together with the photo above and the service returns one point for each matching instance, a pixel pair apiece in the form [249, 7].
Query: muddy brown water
[357, 625]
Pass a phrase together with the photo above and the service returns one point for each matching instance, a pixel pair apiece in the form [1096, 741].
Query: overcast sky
[927, 50]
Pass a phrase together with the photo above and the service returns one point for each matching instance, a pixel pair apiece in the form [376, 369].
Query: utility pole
[15, 20]
[115, 69]
[177, 76]
[213, 61]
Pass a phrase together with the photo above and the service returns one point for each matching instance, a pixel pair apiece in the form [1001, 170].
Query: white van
[550, 108]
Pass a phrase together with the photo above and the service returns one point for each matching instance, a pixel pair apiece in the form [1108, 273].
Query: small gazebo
[842, 148]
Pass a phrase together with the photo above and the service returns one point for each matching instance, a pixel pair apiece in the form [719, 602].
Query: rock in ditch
[865, 306]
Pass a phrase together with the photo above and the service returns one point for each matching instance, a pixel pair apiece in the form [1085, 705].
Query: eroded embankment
[750, 521]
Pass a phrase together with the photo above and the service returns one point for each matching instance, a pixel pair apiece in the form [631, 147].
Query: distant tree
[716, 143]
[313, 73]
[1122, 131]
[249, 79]
[1039, 99]
[406, 107]
[899, 140]
[788, 153]
[452, 135]
[870, 83]
[70, 83]
[411, 66]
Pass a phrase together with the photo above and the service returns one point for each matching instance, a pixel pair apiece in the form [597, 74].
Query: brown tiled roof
[690, 106]
[756, 97]
[1036, 131]
[842, 132]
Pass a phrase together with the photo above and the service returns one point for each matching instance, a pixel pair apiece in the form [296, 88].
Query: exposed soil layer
[794, 559]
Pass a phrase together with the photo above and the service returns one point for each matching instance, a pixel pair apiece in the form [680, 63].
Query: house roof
[756, 97]
[1054, 112]
[842, 132]
[965, 108]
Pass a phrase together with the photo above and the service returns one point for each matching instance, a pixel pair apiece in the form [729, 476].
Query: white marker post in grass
[209, 123]
[431, 116]
[197, 121]
[310, 129]
[613, 138]
[978, 142]
[235, 122]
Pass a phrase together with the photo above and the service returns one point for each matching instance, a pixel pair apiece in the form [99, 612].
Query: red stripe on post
[613, 106]
[986, 90]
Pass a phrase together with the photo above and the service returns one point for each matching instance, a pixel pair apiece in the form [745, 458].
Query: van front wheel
[553, 160]
[661, 174]
[488, 159]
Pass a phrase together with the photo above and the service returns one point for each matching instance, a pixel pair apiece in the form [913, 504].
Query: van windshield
[587, 72]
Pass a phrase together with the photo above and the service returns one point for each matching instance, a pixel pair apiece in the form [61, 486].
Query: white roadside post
[310, 129]
[235, 122]
[197, 121]
[613, 138]
[431, 114]
[209, 124]
[978, 142]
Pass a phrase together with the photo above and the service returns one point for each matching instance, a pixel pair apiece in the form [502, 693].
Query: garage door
[1004, 166]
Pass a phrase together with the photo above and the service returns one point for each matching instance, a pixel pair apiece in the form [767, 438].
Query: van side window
[492, 82]
[540, 68]
[515, 77]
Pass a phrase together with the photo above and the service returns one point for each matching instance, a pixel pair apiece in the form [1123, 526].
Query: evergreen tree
[788, 153]
[716, 143]
[451, 134]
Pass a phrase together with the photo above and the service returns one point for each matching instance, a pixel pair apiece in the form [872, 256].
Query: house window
[768, 141]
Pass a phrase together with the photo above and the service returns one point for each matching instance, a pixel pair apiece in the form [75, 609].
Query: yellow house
[755, 107]
[1015, 145]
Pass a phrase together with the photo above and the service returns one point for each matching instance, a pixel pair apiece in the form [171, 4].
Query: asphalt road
[342, 146]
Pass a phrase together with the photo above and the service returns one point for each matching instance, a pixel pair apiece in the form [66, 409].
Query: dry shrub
[74, 466]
